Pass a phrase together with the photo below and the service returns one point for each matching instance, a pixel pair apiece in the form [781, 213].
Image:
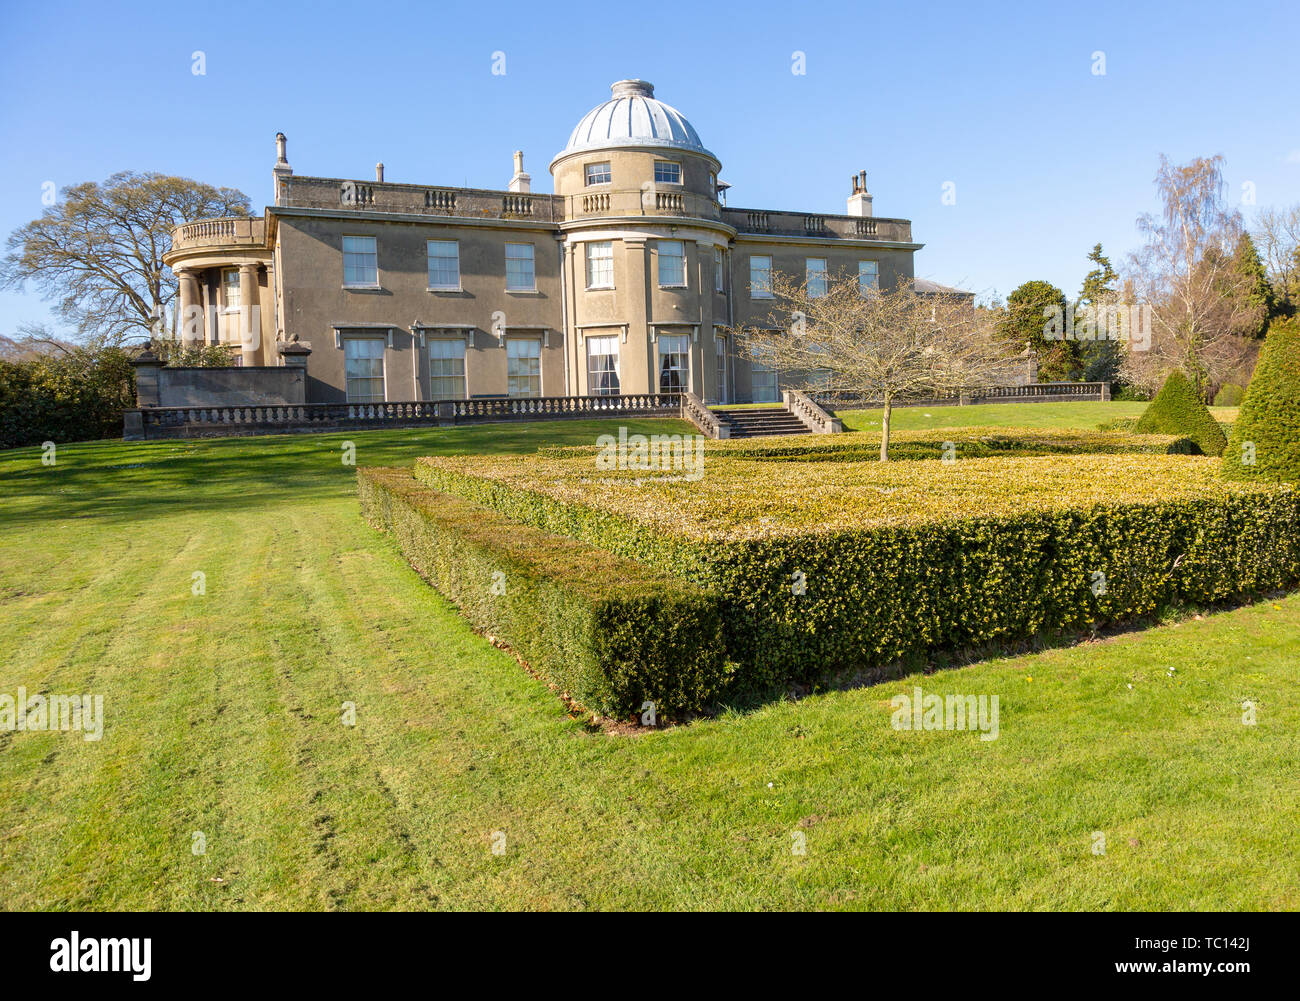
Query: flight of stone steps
[754, 422]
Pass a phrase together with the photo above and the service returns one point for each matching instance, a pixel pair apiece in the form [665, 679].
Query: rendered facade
[621, 282]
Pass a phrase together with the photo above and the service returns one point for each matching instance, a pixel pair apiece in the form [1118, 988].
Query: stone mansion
[622, 282]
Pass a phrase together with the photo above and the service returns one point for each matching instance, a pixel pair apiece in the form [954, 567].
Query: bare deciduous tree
[888, 346]
[98, 251]
[1199, 300]
[1277, 233]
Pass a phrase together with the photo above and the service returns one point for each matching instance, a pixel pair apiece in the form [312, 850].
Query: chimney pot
[379, 173]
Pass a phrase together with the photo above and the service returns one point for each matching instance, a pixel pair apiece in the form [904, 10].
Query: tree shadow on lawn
[114, 481]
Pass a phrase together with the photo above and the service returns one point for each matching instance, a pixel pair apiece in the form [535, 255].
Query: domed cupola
[633, 117]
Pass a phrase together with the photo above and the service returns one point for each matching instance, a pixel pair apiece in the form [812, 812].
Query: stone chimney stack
[521, 182]
[859, 199]
[379, 173]
[281, 171]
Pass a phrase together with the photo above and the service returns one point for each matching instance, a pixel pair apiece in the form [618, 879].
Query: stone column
[148, 391]
[250, 317]
[189, 298]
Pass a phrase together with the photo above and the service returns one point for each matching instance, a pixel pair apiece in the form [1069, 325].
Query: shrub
[1268, 426]
[1177, 409]
[1230, 395]
[966, 443]
[75, 396]
[609, 632]
[1125, 424]
[896, 559]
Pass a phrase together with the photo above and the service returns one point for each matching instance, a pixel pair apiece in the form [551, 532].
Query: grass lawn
[222, 715]
[1084, 416]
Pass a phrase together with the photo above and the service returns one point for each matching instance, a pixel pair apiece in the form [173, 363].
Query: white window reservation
[760, 277]
[364, 369]
[721, 344]
[674, 363]
[868, 276]
[444, 265]
[519, 267]
[815, 275]
[524, 366]
[667, 172]
[230, 288]
[717, 269]
[360, 262]
[602, 365]
[447, 369]
[600, 265]
[598, 173]
[672, 264]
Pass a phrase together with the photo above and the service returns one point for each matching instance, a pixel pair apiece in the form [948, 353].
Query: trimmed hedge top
[739, 498]
[1177, 409]
[1268, 427]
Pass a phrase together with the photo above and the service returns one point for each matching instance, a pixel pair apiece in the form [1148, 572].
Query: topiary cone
[1265, 442]
[1178, 409]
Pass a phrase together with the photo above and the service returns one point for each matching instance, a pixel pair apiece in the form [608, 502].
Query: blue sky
[1046, 157]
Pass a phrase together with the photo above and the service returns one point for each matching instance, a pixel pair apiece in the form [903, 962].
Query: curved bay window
[674, 363]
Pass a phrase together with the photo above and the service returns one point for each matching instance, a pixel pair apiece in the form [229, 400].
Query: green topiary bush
[1230, 395]
[609, 632]
[1177, 409]
[1265, 442]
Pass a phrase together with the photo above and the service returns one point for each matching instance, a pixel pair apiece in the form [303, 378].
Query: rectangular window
[444, 265]
[764, 380]
[230, 288]
[598, 173]
[600, 265]
[760, 277]
[672, 263]
[721, 346]
[519, 267]
[364, 368]
[868, 276]
[602, 366]
[447, 369]
[717, 269]
[668, 173]
[524, 367]
[674, 363]
[360, 262]
[815, 275]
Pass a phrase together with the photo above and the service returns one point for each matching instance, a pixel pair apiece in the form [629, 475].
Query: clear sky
[1045, 156]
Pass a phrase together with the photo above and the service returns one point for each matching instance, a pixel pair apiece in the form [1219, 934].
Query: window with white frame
[763, 378]
[717, 269]
[600, 265]
[364, 369]
[667, 172]
[230, 289]
[360, 262]
[760, 277]
[672, 263]
[674, 363]
[815, 276]
[447, 369]
[602, 365]
[598, 173]
[519, 267]
[524, 366]
[444, 265]
[868, 276]
[720, 344]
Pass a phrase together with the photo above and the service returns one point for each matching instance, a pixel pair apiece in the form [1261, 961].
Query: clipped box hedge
[924, 556]
[966, 443]
[610, 632]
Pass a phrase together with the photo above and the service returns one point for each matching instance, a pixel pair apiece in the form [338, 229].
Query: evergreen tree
[1025, 325]
[1256, 288]
[1100, 359]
